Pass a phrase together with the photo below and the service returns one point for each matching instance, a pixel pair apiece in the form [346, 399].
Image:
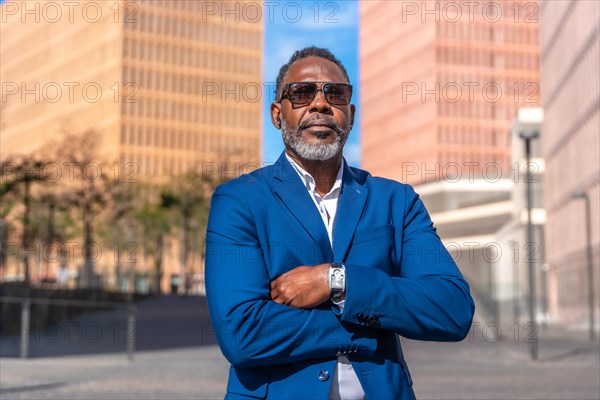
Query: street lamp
[581, 194]
[527, 136]
[516, 285]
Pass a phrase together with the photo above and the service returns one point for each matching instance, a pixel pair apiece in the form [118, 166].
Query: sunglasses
[303, 93]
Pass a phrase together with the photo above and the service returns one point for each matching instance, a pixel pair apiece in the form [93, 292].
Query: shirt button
[323, 375]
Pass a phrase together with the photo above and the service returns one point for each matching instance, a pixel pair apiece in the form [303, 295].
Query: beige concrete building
[441, 83]
[168, 85]
[570, 67]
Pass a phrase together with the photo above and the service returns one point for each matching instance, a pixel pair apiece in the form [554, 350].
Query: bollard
[25, 319]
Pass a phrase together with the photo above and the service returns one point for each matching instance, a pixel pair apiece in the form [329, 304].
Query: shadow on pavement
[30, 388]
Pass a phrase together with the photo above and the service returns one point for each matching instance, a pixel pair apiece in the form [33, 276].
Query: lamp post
[590, 267]
[527, 136]
[516, 285]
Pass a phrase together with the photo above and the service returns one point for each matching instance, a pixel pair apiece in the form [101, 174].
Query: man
[313, 267]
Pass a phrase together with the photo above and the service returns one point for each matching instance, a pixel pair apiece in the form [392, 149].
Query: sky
[292, 25]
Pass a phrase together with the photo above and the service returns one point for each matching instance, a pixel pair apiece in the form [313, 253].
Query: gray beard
[317, 151]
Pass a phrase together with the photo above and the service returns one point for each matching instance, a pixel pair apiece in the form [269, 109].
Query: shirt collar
[309, 181]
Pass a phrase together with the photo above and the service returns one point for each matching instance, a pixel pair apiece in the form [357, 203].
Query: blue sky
[293, 25]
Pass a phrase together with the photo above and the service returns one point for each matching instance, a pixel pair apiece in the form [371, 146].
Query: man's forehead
[314, 69]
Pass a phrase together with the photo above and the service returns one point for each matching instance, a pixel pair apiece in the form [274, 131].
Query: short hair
[311, 51]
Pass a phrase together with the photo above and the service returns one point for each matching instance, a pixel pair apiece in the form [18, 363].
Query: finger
[282, 300]
[277, 281]
[278, 299]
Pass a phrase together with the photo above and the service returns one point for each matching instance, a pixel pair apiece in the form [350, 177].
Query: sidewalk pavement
[479, 367]
[194, 373]
[493, 362]
[568, 368]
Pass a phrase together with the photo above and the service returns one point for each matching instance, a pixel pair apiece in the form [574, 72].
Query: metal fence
[26, 303]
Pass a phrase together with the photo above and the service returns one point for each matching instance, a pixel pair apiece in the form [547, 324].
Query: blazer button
[323, 375]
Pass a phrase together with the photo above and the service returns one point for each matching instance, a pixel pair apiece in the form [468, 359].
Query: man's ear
[352, 111]
[276, 115]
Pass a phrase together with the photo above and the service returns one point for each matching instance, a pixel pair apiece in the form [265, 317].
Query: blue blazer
[400, 281]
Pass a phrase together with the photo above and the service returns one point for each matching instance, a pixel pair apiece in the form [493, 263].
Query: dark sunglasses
[303, 93]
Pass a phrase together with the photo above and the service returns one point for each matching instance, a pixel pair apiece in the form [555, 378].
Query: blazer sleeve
[427, 298]
[252, 329]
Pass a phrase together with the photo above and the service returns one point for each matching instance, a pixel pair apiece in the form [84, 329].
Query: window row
[146, 166]
[524, 33]
[190, 57]
[478, 110]
[462, 164]
[207, 87]
[487, 58]
[144, 136]
[152, 166]
[477, 136]
[196, 29]
[222, 115]
[479, 90]
[187, 6]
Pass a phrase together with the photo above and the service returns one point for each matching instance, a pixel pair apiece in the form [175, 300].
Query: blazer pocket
[247, 383]
[368, 234]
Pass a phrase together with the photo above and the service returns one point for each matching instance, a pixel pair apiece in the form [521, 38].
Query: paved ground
[489, 364]
[195, 373]
[568, 367]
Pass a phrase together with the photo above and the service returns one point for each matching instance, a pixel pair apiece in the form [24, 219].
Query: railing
[26, 303]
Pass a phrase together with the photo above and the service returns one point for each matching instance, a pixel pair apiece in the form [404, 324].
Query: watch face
[336, 279]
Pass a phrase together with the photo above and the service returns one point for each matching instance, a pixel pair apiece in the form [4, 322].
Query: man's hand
[302, 287]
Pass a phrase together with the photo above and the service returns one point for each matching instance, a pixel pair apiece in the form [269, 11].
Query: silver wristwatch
[336, 280]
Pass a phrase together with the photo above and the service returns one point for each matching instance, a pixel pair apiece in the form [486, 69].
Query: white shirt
[345, 384]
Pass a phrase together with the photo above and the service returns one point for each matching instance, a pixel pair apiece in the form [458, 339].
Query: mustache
[324, 119]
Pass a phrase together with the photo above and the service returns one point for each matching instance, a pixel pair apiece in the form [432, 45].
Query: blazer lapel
[290, 189]
[350, 208]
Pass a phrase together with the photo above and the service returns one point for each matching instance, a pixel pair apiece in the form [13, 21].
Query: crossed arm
[258, 321]
[302, 287]
[251, 328]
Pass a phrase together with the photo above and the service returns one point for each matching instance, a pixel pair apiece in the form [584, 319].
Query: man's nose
[320, 103]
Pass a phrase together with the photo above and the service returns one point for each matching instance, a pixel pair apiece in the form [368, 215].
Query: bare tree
[18, 175]
[88, 190]
[189, 197]
[154, 217]
[120, 227]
